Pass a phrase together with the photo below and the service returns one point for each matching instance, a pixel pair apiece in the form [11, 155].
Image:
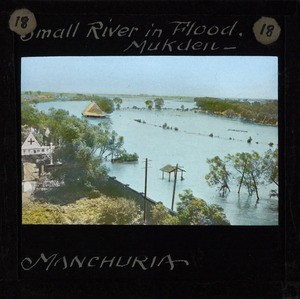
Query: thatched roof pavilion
[93, 110]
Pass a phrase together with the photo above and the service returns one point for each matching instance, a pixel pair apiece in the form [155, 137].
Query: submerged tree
[159, 103]
[149, 104]
[250, 170]
[118, 101]
[270, 161]
[218, 175]
[254, 175]
[241, 163]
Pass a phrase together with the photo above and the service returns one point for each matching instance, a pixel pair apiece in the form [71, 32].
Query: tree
[118, 101]
[149, 104]
[250, 169]
[195, 211]
[218, 175]
[119, 211]
[254, 175]
[105, 105]
[80, 168]
[159, 215]
[98, 138]
[79, 146]
[241, 163]
[159, 103]
[270, 160]
[29, 115]
[107, 142]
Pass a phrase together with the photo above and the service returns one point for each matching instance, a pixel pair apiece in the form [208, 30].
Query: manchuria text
[58, 261]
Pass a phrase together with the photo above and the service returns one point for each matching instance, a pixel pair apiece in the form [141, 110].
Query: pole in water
[174, 186]
[145, 191]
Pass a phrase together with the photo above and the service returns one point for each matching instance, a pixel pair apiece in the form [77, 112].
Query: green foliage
[254, 174]
[265, 112]
[80, 147]
[42, 213]
[149, 104]
[100, 210]
[195, 211]
[241, 163]
[270, 161]
[79, 166]
[105, 104]
[190, 211]
[218, 175]
[30, 116]
[119, 211]
[118, 101]
[123, 156]
[159, 215]
[159, 103]
[250, 170]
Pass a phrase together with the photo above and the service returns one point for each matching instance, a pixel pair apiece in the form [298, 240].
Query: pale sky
[215, 76]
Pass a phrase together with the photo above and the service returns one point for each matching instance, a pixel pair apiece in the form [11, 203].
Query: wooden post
[145, 191]
[174, 186]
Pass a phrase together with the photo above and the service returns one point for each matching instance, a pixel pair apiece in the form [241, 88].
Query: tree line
[106, 104]
[259, 112]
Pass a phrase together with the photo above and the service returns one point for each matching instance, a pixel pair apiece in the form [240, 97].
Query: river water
[190, 146]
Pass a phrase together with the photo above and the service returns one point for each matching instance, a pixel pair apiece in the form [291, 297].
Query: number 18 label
[266, 30]
[22, 21]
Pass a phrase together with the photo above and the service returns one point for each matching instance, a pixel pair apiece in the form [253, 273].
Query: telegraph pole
[174, 186]
[145, 191]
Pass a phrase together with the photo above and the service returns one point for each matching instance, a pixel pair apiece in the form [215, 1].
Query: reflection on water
[189, 146]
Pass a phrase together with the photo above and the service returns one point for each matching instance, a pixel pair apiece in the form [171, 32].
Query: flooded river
[189, 146]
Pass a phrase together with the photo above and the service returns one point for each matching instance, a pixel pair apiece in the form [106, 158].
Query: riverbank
[259, 112]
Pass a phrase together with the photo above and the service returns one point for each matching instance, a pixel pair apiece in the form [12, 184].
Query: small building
[169, 169]
[32, 147]
[93, 110]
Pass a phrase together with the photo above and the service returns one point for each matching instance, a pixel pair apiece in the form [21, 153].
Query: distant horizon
[252, 77]
[147, 95]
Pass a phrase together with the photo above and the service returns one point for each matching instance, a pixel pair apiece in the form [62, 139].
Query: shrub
[119, 211]
[42, 213]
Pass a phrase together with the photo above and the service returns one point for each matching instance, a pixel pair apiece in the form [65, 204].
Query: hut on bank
[93, 110]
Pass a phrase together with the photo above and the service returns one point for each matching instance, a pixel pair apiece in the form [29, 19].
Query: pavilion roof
[169, 168]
